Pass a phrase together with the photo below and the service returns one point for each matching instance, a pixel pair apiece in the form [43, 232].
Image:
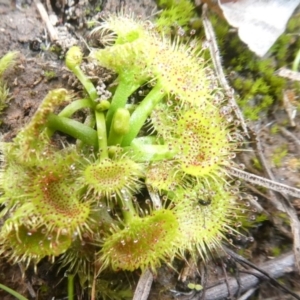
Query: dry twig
[143, 288]
[284, 203]
[287, 73]
[274, 268]
[290, 136]
[215, 55]
[45, 18]
[261, 181]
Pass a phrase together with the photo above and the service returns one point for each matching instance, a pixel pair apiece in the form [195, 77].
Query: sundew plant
[85, 202]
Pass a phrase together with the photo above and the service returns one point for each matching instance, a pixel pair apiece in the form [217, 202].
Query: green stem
[101, 131]
[146, 153]
[74, 106]
[89, 121]
[70, 109]
[128, 210]
[296, 62]
[70, 287]
[12, 292]
[88, 85]
[74, 129]
[119, 126]
[127, 84]
[142, 112]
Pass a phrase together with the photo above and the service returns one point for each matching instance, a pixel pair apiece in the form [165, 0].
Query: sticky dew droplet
[169, 103]
[252, 218]
[64, 231]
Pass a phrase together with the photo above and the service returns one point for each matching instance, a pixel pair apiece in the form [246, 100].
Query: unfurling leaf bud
[73, 57]
[120, 121]
[103, 106]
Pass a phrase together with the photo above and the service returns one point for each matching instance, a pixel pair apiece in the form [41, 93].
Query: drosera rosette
[84, 195]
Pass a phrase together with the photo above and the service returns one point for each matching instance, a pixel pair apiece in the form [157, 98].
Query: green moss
[4, 95]
[238, 83]
[50, 74]
[91, 24]
[110, 290]
[279, 153]
[254, 109]
[276, 251]
[293, 24]
[283, 217]
[176, 13]
[255, 78]
[98, 8]
[248, 223]
[256, 164]
[8, 60]
[274, 129]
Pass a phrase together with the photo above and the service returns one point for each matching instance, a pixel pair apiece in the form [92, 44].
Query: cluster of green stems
[114, 124]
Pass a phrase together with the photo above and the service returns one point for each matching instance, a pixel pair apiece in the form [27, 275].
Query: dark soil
[21, 29]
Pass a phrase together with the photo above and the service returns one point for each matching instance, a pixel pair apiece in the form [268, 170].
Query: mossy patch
[254, 78]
